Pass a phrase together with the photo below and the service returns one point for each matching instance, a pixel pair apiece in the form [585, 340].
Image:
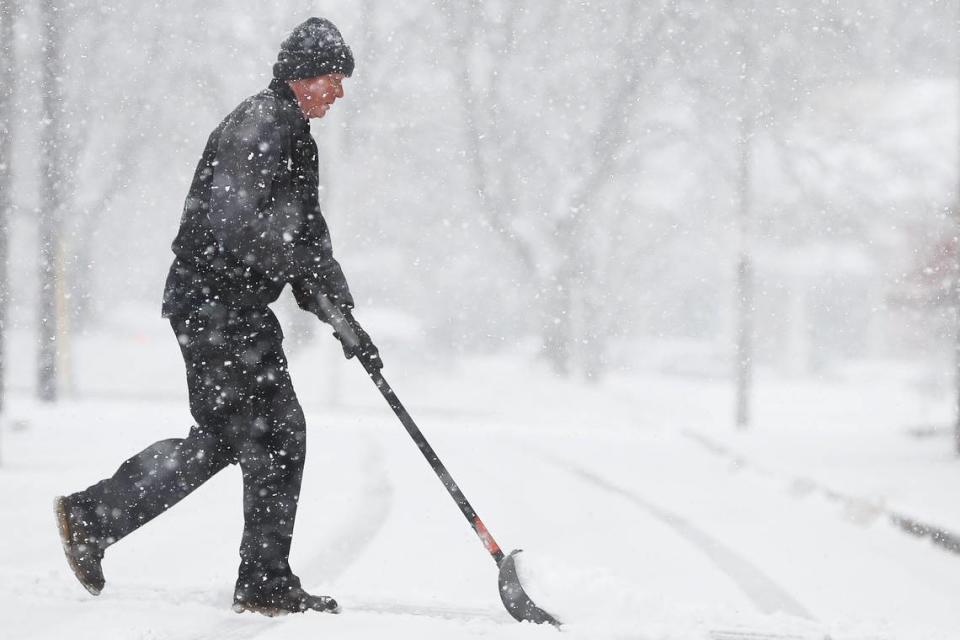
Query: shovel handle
[438, 467]
[347, 334]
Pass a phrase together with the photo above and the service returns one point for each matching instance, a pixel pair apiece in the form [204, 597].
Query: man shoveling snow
[251, 224]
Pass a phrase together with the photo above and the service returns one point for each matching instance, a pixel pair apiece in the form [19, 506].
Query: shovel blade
[515, 599]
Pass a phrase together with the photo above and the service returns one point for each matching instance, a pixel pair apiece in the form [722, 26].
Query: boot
[80, 545]
[290, 598]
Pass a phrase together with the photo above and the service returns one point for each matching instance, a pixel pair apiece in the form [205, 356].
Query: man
[250, 225]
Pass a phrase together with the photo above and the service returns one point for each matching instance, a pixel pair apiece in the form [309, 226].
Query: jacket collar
[284, 92]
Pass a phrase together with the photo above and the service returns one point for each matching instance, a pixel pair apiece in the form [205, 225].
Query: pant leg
[161, 475]
[149, 483]
[271, 460]
[246, 410]
[240, 382]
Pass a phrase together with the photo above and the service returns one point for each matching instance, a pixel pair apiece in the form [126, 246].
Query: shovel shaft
[349, 337]
[434, 461]
[514, 598]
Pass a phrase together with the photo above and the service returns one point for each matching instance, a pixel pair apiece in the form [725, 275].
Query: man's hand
[363, 348]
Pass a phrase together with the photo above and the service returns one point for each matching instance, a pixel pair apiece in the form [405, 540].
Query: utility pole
[51, 199]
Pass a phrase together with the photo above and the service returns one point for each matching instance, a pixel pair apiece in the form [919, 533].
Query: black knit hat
[314, 48]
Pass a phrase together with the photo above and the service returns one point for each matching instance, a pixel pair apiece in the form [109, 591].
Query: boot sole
[273, 612]
[63, 526]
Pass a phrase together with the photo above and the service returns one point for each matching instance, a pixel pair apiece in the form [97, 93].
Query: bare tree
[765, 64]
[52, 197]
[956, 278]
[744, 185]
[8, 12]
[105, 153]
[546, 208]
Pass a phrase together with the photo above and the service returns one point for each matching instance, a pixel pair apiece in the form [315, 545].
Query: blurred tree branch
[499, 139]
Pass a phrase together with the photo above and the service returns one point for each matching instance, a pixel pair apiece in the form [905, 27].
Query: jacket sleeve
[249, 223]
[324, 278]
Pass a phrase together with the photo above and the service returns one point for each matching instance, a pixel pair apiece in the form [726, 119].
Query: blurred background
[727, 191]
[698, 254]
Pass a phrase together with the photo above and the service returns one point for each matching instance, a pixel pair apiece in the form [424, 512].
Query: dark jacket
[251, 222]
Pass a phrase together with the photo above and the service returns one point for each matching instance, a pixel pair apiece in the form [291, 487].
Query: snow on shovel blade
[515, 599]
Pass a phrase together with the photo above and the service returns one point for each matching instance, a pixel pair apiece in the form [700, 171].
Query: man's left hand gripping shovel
[514, 598]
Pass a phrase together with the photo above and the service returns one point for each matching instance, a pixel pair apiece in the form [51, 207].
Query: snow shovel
[514, 598]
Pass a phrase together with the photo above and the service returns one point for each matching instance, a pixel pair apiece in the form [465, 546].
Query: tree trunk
[744, 339]
[956, 283]
[51, 201]
[8, 11]
[956, 342]
[744, 287]
[557, 322]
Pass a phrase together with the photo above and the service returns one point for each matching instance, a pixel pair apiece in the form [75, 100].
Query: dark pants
[246, 412]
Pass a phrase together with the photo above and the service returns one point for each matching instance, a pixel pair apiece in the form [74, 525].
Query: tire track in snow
[767, 595]
[860, 510]
[342, 549]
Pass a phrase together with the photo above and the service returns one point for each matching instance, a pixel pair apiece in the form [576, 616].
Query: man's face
[316, 95]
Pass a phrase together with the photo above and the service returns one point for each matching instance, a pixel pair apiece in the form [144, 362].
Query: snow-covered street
[631, 525]
[671, 288]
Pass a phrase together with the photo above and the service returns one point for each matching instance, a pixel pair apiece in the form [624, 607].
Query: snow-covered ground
[642, 513]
